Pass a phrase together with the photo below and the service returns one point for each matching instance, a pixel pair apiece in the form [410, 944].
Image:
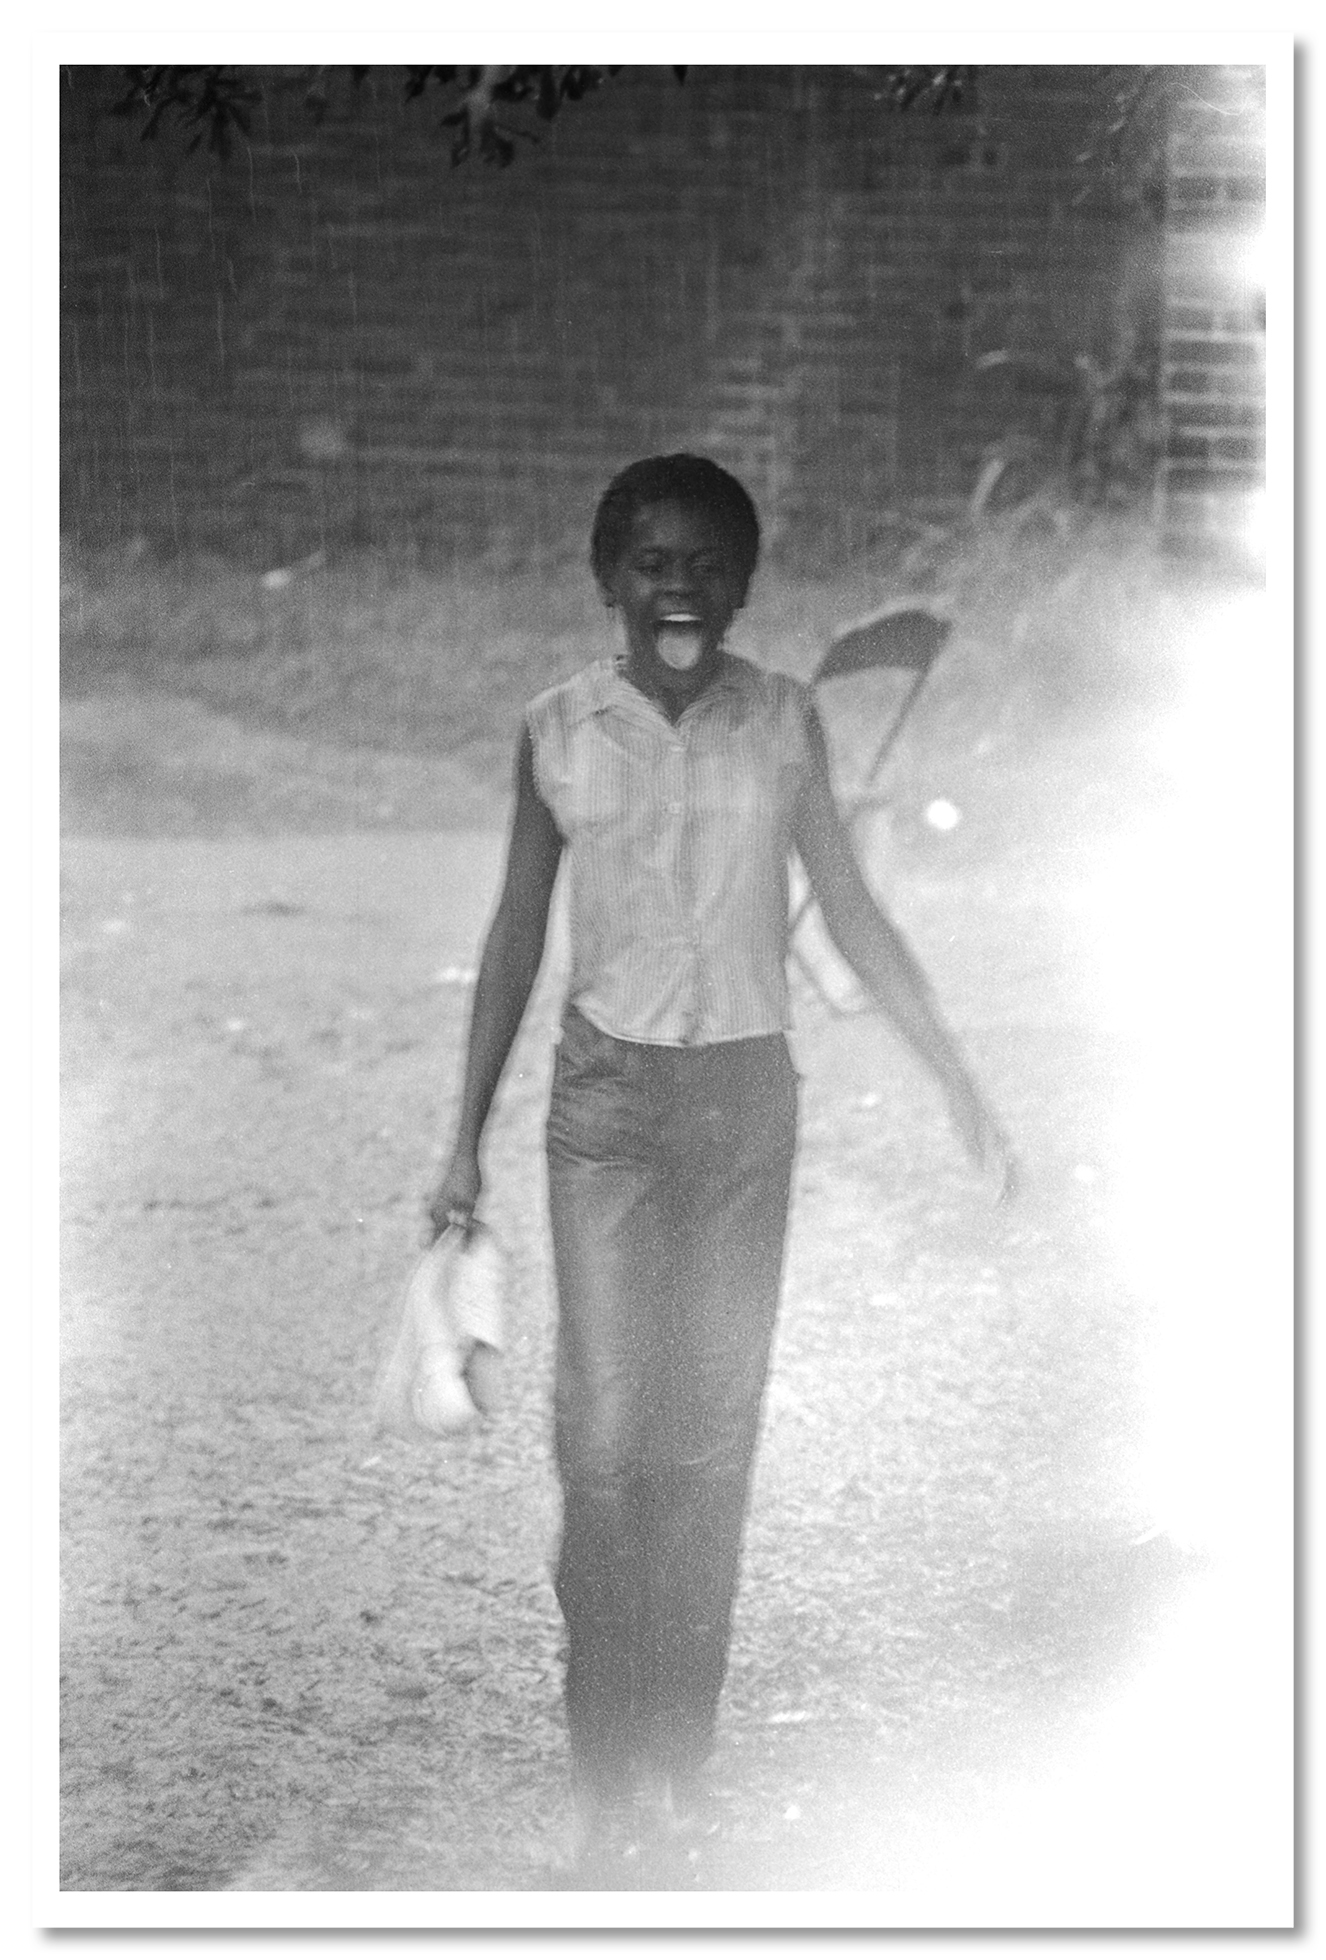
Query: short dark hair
[679, 479]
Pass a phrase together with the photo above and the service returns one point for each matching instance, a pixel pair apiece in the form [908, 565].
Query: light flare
[1192, 964]
[1248, 263]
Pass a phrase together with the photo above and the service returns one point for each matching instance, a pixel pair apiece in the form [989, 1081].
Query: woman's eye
[647, 566]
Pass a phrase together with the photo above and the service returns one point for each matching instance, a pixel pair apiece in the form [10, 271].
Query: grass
[1030, 724]
[356, 653]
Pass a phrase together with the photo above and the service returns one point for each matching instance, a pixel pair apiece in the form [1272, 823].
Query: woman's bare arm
[885, 964]
[507, 971]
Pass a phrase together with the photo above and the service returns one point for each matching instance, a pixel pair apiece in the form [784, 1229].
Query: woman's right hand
[453, 1198]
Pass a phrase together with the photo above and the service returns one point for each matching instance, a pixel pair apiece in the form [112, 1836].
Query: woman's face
[677, 585]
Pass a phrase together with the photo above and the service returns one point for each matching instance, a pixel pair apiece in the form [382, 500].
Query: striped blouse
[677, 845]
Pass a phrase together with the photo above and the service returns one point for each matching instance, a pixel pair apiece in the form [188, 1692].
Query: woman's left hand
[984, 1140]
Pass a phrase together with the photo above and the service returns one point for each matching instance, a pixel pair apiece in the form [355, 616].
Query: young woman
[677, 780]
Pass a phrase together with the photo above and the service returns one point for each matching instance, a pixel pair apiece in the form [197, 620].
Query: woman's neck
[670, 701]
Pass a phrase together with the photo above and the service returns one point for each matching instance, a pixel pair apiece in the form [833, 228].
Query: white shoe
[443, 1373]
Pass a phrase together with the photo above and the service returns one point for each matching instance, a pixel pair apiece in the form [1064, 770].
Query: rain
[348, 358]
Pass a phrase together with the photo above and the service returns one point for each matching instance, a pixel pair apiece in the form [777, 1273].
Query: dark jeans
[669, 1173]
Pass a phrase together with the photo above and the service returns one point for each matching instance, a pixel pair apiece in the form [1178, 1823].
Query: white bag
[428, 1386]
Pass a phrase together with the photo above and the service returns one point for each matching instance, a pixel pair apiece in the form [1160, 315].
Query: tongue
[678, 643]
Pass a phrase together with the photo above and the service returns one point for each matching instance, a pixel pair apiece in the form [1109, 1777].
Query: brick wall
[333, 335]
[1213, 338]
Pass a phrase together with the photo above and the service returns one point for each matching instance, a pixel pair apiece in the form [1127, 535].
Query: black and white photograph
[676, 854]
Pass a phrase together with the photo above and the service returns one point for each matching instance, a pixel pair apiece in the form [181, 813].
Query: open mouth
[679, 638]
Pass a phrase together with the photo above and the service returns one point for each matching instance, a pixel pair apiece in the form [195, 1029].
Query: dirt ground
[299, 1659]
